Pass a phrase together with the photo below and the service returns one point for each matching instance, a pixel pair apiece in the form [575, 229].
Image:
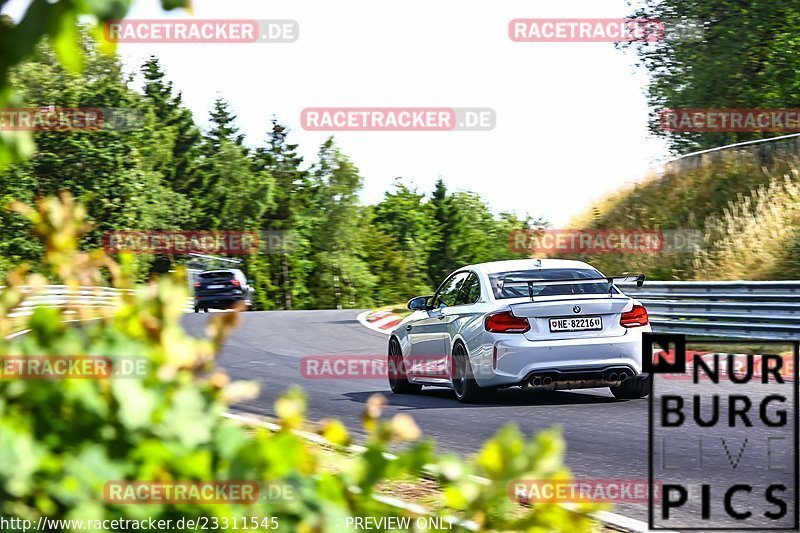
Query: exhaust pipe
[536, 381]
[547, 380]
[612, 376]
[623, 376]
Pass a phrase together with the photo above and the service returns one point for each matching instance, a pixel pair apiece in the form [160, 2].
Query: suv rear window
[502, 291]
[217, 275]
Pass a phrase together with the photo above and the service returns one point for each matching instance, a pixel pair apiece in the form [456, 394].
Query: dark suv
[220, 289]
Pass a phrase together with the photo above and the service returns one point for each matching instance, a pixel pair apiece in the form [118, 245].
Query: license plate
[215, 287]
[584, 323]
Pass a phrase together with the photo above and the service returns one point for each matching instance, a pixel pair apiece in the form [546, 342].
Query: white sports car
[545, 324]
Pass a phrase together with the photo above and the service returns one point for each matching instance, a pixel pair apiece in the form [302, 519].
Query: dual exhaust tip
[536, 381]
[617, 376]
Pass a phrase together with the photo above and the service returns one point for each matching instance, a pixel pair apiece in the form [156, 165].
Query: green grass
[747, 212]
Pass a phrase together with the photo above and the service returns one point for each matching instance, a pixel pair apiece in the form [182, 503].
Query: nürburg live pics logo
[723, 442]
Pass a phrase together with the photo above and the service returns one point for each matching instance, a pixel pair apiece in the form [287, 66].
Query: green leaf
[136, 403]
[67, 41]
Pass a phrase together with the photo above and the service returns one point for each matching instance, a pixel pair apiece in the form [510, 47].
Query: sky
[571, 118]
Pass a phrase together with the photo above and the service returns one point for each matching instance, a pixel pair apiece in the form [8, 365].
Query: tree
[223, 125]
[340, 277]
[177, 129]
[111, 169]
[58, 21]
[722, 54]
[441, 261]
[406, 216]
[232, 192]
[284, 219]
[476, 235]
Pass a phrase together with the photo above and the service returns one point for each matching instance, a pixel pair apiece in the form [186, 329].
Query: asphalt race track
[606, 438]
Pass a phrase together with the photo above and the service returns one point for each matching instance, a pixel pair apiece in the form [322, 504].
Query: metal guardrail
[733, 309]
[765, 152]
[59, 296]
[65, 296]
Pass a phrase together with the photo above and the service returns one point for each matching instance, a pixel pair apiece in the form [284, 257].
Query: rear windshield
[216, 275]
[503, 291]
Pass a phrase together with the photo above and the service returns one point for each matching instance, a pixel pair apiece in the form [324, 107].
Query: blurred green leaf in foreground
[57, 20]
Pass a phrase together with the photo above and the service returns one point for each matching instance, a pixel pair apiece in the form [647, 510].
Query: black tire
[205, 309]
[398, 381]
[196, 309]
[465, 387]
[633, 389]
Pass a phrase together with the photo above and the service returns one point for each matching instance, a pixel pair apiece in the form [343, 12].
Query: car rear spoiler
[611, 280]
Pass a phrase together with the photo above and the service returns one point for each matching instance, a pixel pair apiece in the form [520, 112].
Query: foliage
[756, 237]
[742, 210]
[62, 440]
[56, 20]
[721, 54]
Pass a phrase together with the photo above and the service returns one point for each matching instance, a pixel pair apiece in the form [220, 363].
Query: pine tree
[340, 276]
[291, 202]
[441, 262]
[223, 125]
[182, 134]
[232, 192]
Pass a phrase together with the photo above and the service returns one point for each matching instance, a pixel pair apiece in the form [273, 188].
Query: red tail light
[635, 317]
[506, 323]
[196, 283]
[236, 283]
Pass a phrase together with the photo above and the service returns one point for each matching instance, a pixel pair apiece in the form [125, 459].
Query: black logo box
[678, 366]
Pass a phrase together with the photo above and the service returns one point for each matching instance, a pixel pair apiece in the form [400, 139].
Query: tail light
[196, 284]
[635, 317]
[236, 283]
[505, 322]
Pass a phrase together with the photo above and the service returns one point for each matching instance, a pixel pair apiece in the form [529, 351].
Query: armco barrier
[733, 309]
[65, 296]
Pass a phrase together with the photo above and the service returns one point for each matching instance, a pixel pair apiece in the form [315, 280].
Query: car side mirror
[420, 303]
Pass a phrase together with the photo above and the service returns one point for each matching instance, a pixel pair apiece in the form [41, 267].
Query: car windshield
[503, 290]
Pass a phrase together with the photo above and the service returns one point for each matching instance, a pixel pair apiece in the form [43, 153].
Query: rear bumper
[583, 378]
[573, 363]
[217, 301]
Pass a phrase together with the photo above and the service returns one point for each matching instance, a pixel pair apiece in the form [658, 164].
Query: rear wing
[611, 280]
